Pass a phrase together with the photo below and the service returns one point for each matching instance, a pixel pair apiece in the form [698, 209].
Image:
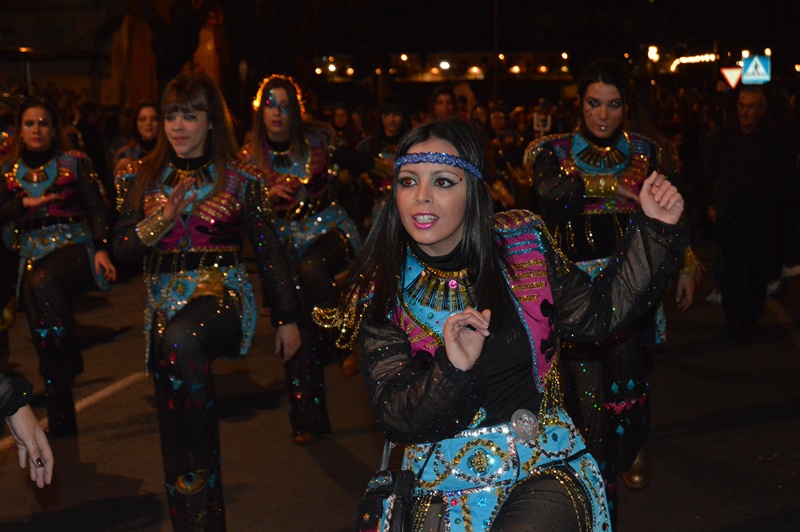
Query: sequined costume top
[200, 254]
[123, 175]
[78, 216]
[311, 212]
[575, 180]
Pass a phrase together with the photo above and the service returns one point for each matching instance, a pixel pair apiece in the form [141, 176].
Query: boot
[8, 314]
[638, 476]
[61, 421]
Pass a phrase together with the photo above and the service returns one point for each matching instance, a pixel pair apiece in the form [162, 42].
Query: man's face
[750, 107]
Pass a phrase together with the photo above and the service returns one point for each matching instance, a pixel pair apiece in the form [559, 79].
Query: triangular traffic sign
[733, 75]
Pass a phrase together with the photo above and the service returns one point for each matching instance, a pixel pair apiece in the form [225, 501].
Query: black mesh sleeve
[412, 403]
[632, 282]
[14, 393]
[559, 196]
[279, 283]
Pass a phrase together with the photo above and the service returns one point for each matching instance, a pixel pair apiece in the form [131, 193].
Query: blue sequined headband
[438, 158]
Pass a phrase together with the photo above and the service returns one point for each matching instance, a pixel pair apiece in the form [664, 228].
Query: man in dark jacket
[746, 172]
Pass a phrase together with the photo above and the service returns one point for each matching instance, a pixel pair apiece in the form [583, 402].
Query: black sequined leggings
[47, 291]
[608, 400]
[187, 416]
[305, 379]
[546, 503]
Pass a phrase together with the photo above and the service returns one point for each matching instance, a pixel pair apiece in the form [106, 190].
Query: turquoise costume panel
[311, 212]
[41, 231]
[195, 240]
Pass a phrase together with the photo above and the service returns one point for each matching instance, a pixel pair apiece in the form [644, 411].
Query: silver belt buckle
[526, 424]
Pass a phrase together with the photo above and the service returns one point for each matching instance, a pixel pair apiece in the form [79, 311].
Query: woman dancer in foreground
[458, 311]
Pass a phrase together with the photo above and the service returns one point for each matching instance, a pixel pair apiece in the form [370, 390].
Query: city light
[652, 54]
[514, 69]
[444, 65]
[745, 54]
[403, 57]
[350, 71]
[768, 52]
[332, 68]
[564, 56]
[704, 58]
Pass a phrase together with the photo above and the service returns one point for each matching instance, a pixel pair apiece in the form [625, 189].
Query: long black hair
[381, 261]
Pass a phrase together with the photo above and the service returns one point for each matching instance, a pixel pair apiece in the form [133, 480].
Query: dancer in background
[60, 229]
[318, 232]
[186, 211]
[587, 185]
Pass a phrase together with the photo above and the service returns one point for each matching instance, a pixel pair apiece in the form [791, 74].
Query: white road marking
[96, 397]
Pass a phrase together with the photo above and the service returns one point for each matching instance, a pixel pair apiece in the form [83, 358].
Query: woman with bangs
[186, 210]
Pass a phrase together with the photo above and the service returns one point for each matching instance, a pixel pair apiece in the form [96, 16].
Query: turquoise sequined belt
[475, 470]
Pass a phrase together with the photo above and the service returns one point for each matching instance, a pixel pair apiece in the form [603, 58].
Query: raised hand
[660, 199]
[178, 200]
[464, 334]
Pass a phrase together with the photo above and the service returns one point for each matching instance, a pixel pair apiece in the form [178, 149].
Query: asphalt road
[724, 435]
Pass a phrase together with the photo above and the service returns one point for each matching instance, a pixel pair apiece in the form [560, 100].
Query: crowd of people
[471, 261]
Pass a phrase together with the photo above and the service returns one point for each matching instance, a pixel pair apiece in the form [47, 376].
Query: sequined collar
[436, 289]
[36, 180]
[200, 169]
[282, 159]
[598, 159]
[431, 295]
